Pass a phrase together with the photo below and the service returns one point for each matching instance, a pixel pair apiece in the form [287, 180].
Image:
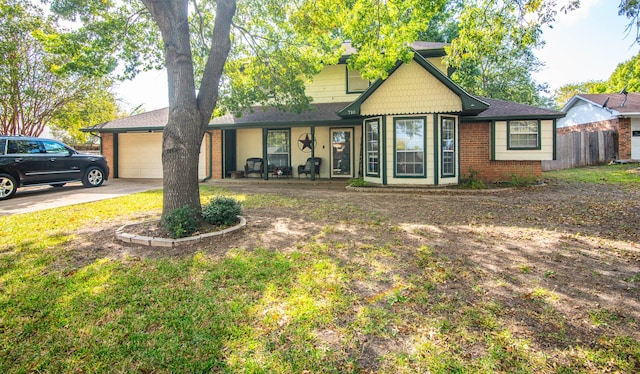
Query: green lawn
[624, 174]
[257, 310]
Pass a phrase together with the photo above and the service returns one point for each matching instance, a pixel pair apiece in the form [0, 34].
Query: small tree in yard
[233, 54]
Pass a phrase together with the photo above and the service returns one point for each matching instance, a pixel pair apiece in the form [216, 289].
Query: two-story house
[417, 127]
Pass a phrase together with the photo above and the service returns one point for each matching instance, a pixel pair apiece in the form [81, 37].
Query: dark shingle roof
[258, 116]
[500, 109]
[324, 113]
[153, 120]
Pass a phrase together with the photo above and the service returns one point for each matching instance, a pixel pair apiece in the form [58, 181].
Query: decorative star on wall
[306, 142]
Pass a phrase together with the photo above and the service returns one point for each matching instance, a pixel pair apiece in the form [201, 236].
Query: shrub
[222, 211]
[472, 181]
[357, 182]
[181, 222]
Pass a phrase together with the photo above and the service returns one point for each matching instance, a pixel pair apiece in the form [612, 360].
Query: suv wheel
[94, 177]
[8, 186]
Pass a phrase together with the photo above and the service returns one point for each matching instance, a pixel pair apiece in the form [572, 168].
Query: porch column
[313, 153]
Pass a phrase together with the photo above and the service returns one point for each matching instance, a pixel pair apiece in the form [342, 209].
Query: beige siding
[140, 156]
[248, 144]
[544, 154]
[438, 62]
[299, 157]
[330, 86]
[411, 90]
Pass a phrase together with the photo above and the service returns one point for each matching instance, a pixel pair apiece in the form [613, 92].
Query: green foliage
[472, 180]
[357, 182]
[34, 93]
[522, 178]
[180, 222]
[631, 10]
[222, 211]
[493, 52]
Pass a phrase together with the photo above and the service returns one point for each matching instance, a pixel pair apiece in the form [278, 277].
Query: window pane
[278, 148]
[409, 135]
[373, 156]
[523, 134]
[355, 83]
[54, 147]
[448, 147]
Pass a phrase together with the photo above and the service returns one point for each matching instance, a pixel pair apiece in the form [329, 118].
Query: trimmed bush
[222, 211]
[181, 222]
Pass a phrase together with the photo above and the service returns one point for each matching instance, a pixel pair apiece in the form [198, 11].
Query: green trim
[470, 104]
[455, 146]
[539, 141]
[383, 156]
[327, 123]
[555, 140]
[492, 138]
[436, 180]
[424, 148]
[352, 154]
[266, 147]
[313, 153]
[265, 169]
[366, 147]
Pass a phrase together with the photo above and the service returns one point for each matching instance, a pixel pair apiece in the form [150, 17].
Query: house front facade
[417, 127]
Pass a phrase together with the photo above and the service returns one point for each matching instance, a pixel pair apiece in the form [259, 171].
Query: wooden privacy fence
[583, 148]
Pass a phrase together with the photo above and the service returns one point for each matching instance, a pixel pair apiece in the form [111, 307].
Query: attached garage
[140, 156]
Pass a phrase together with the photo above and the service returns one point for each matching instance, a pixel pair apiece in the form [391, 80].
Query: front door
[341, 153]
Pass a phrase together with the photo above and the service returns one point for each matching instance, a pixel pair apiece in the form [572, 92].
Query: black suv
[27, 161]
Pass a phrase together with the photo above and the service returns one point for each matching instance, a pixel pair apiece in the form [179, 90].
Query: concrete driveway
[31, 199]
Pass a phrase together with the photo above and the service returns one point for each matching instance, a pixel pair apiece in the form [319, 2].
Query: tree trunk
[188, 115]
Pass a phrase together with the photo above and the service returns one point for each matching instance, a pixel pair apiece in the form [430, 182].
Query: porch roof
[505, 110]
[319, 114]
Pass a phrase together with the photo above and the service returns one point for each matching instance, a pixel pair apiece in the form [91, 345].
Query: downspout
[210, 158]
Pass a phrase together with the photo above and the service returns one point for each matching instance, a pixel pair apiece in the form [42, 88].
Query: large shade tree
[230, 54]
[34, 92]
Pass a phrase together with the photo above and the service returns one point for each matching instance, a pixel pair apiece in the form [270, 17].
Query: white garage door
[635, 139]
[140, 156]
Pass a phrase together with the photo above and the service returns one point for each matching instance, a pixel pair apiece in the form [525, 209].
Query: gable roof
[148, 121]
[618, 102]
[505, 110]
[470, 104]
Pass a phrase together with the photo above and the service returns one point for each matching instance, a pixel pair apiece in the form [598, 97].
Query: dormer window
[355, 83]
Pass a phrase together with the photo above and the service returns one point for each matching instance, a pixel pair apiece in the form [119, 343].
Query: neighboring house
[598, 128]
[417, 127]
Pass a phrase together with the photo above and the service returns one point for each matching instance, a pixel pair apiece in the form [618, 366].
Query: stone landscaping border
[149, 241]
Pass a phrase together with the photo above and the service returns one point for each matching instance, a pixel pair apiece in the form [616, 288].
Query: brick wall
[216, 157]
[624, 138]
[107, 150]
[475, 153]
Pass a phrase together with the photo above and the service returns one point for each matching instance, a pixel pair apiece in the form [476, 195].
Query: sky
[586, 44]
